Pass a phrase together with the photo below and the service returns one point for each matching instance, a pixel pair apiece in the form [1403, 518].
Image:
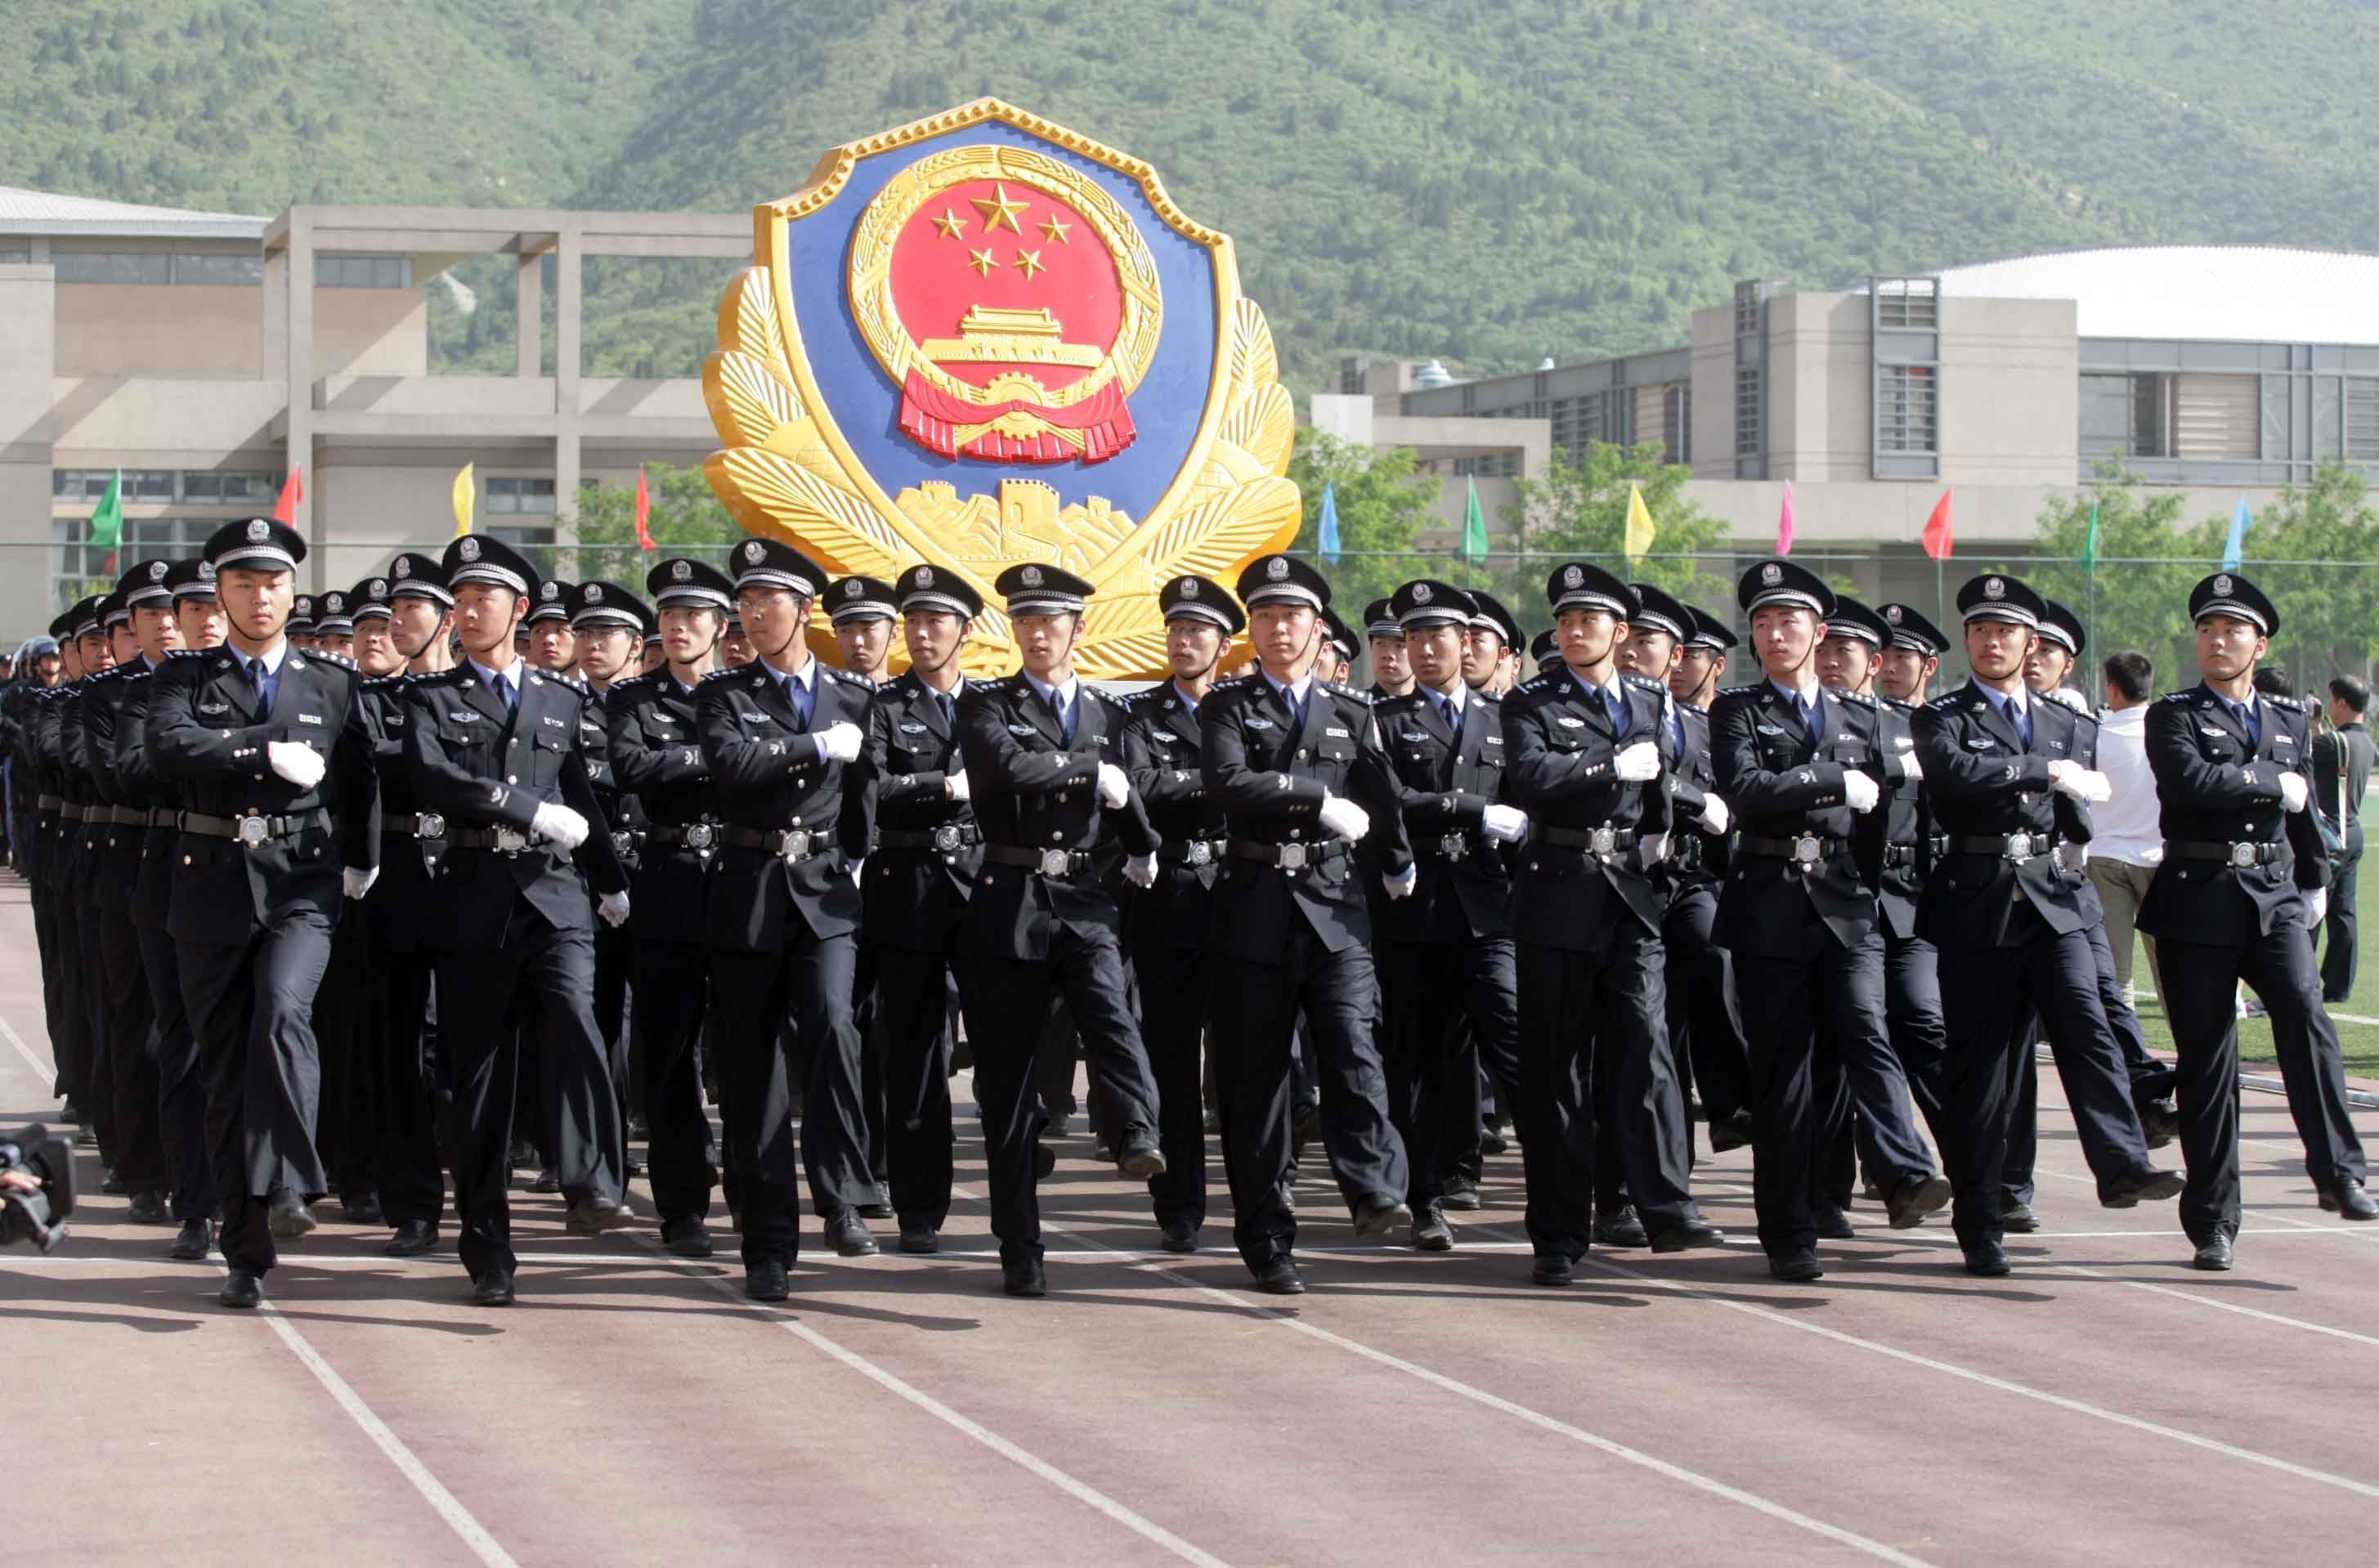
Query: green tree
[2329, 609]
[1383, 507]
[1577, 510]
[686, 519]
[2148, 560]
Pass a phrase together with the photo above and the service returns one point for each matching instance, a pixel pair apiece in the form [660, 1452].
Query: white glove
[1115, 789]
[303, 766]
[1715, 816]
[358, 883]
[1638, 763]
[838, 743]
[2293, 793]
[1506, 824]
[1141, 870]
[2079, 781]
[1860, 791]
[613, 908]
[2072, 856]
[2316, 908]
[1345, 819]
[954, 785]
[558, 825]
[1655, 848]
[1402, 886]
[1910, 770]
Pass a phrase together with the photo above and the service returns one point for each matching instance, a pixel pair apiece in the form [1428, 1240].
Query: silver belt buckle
[1199, 854]
[430, 824]
[698, 835]
[2019, 847]
[1055, 863]
[254, 830]
[511, 841]
[1807, 849]
[794, 843]
[1603, 840]
[947, 837]
[1292, 857]
[623, 843]
[1453, 846]
[2242, 855]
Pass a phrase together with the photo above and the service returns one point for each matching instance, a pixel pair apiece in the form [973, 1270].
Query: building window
[1747, 424]
[363, 272]
[1677, 422]
[2362, 421]
[1489, 466]
[2124, 416]
[508, 496]
[142, 487]
[113, 266]
[226, 489]
[8, 256]
[220, 267]
[1907, 408]
[1907, 302]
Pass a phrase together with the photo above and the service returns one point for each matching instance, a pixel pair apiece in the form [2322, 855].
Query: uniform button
[186, 859]
[511, 779]
[1056, 837]
[1301, 754]
[1296, 832]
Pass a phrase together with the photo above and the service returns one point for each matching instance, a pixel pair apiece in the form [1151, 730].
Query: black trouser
[2146, 1077]
[95, 1071]
[1007, 1004]
[2201, 984]
[54, 982]
[1429, 990]
[868, 1020]
[615, 961]
[2338, 925]
[913, 1016]
[671, 989]
[348, 1132]
[1252, 1012]
[532, 991]
[771, 1007]
[1173, 1024]
[251, 1006]
[1912, 1006]
[395, 1044]
[181, 1084]
[1587, 1020]
[1796, 1014]
[131, 1065]
[1704, 1022]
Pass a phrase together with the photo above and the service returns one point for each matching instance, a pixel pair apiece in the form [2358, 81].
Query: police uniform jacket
[655, 749]
[30, 845]
[1164, 752]
[1783, 784]
[1695, 858]
[403, 911]
[766, 781]
[1446, 781]
[204, 731]
[46, 862]
[926, 848]
[140, 787]
[1984, 784]
[484, 771]
[1564, 749]
[2216, 786]
[1272, 776]
[1896, 843]
[114, 837]
[75, 842]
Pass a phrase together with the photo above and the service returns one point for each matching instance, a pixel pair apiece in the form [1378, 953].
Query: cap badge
[206, 572]
[1572, 578]
[1993, 588]
[333, 604]
[593, 593]
[1277, 568]
[2222, 584]
[752, 552]
[402, 569]
[156, 570]
[1891, 613]
[549, 591]
[1188, 587]
[259, 530]
[380, 587]
[681, 572]
[853, 588]
[924, 577]
[470, 551]
[1423, 592]
[1031, 576]
[1770, 574]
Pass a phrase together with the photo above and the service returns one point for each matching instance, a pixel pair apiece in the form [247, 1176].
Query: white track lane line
[43, 1070]
[2219, 1305]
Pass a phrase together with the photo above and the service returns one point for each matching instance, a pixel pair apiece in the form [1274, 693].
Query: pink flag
[1937, 529]
[1784, 523]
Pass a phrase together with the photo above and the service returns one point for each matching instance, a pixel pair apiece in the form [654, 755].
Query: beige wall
[2010, 391]
[197, 331]
[1713, 393]
[110, 421]
[371, 331]
[1820, 427]
[27, 349]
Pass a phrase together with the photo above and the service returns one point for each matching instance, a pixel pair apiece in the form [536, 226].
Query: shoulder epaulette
[1496, 697]
[1236, 683]
[382, 682]
[1396, 704]
[1348, 692]
[989, 683]
[1896, 704]
[848, 679]
[1856, 699]
[438, 677]
[188, 653]
[724, 675]
[2180, 696]
[636, 681]
[1645, 682]
[1536, 683]
[2286, 704]
[1750, 691]
[1947, 700]
[1107, 697]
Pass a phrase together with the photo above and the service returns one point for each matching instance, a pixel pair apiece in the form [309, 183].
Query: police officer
[1043, 751]
[84, 818]
[656, 756]
[1391, 674]
[2004, 906]
[335, 628]
[1489, 660]
[301, 623]
[607, 622]
[551, 644]
[1171, 923]
[1903, 667]
[777, 736]
[862, 613]
[927, 853]
[270, 751]
[2241, 886]
[497, 752]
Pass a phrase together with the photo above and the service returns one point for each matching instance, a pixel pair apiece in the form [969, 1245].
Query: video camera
[38, 1216]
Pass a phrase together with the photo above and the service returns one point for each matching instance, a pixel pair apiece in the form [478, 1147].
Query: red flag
[293, 490]
[1784, 523]
[1937, 529]
[644, 511]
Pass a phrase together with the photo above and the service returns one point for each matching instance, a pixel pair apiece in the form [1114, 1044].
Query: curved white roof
[48, 212]
[2233, 293]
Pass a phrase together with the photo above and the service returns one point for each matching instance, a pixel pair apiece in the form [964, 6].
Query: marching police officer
[2241, 886]
[862, 612]
[1911, 650]
[551, 644]
[1391, 674]
[607, 624]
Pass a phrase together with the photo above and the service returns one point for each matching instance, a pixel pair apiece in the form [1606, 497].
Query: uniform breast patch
[1259, 723]
[1334, 730]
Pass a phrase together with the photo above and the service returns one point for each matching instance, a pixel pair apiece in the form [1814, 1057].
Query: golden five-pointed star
[950, 224]
[1057, 229]
[1029, 262]
[981, 261]
[998, 212]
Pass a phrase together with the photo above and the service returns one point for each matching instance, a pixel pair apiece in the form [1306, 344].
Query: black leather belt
[686, 835]
[49, 803]
[2241, 856]
[69, 812]
[413, 825]
[164, 816]
[2016, 847]
[1897, 857]
[625, 841]
[1604, 841]
[1193, 852]
[123, 816]
[252, 829]
[1287, 857]
[1688, 853]
[785, 843]
[504, 840]
[1451, 846]
[949, 839]
[1043, 862]
[1805, 849]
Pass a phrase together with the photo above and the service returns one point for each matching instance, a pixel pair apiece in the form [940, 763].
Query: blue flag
[2237, 542]
[1330, 524]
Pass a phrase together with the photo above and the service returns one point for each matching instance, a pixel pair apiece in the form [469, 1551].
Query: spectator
[2128, 841]
[2341, 771]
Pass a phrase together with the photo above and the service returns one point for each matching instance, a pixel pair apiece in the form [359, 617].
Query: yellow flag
[466, 490]
[1640, 524]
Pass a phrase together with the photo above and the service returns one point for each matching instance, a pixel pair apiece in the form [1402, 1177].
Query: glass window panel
[217, 267]
[111, 266]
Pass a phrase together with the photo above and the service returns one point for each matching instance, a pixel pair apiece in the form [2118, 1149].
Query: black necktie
[950, 710]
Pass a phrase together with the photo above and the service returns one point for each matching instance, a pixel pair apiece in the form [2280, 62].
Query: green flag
[1474, 527]
[107, 523]
[2089, 544]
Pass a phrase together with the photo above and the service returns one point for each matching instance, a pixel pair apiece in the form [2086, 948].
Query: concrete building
[2214, 370]
[204, 353]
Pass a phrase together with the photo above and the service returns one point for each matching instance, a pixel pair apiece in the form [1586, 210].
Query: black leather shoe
[1376, 1217]
[881, 1208]
[2018, 1217]
[523, 1155]
[2349, 1202]
[1552, 1269]
[290, 1219]
[362, 1209]
[1279, 1277]
[245, 1288]
[547, 1180]
[2145, 1185]
[2159, 1119]
[1180, 1236]
[688, 1237]
[920, 1239]
[1799, 1268]
[1045, 1160]
[631, 1168]
[149, 1209]
[1458, 1192]
[1288, 1191]
[2213, 1254]
[590, 1217]
[195, 1240]
[109, 1182]
[848, 1236]
[1730, 1132]
[1140, 1158]
[1491, 1139]
[1307, 1131]
[1024, 1277]
[493, 1288]
[1987, 1259]
[1431, 1232]
[1684, 1237]
[1835, 1225]
[766, 1281]
[1913, 1198]
[412, 1239]
[1621, 1229]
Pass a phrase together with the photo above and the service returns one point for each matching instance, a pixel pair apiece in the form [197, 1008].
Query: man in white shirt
[2129, 846]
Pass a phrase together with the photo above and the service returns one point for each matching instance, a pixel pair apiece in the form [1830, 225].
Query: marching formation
[378, 894]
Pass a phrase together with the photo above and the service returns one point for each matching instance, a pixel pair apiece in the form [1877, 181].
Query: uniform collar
[496, 680]
[272, 660]
[1296, 691]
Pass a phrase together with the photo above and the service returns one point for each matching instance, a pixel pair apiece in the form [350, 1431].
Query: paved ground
[2105, 1402]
